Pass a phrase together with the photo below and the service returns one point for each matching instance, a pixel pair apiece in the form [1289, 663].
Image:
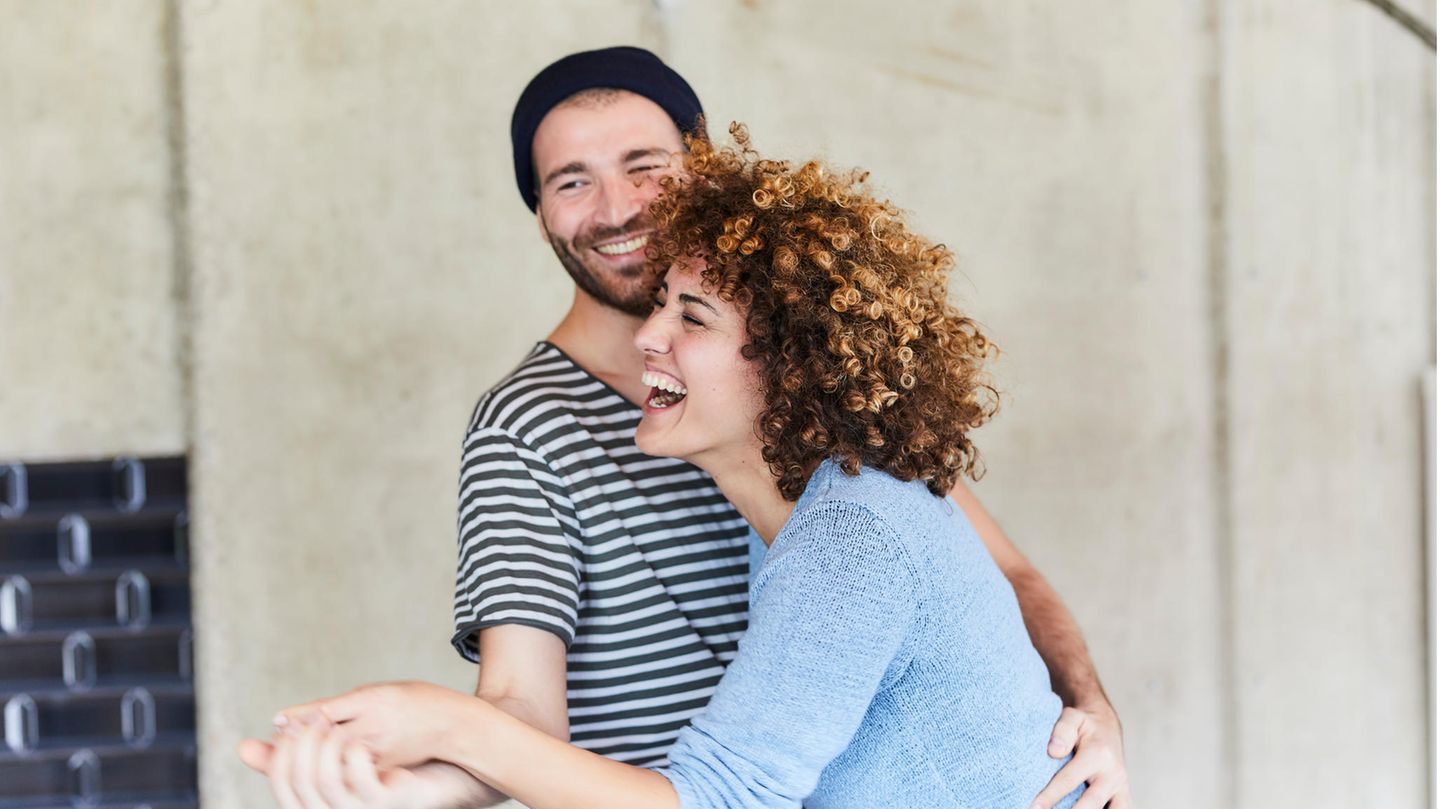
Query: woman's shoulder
[872, 492]
[872, 504]
[852, 532]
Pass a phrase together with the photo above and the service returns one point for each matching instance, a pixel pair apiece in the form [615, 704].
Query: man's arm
[522, 672]
[1089, 726]
[1052, 629]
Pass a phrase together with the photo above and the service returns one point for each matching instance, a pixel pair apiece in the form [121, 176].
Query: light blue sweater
[886, 665]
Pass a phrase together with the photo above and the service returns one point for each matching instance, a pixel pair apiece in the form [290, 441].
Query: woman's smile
[665, 390]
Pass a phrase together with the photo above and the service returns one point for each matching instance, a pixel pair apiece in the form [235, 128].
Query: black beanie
[623, 68]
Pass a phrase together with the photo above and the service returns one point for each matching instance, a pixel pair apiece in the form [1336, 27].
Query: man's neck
[602, 341]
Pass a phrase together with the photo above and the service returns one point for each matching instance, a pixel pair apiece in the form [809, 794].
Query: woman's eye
[692, 321]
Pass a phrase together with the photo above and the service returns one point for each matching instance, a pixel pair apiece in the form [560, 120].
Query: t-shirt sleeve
[517, 562]
[830, 611]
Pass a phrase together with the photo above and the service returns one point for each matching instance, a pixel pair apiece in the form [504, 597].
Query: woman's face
[704, 397]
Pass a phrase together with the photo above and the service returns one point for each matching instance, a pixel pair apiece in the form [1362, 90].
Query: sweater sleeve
[829, 613]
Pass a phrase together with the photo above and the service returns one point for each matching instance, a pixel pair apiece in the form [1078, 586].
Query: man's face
[598, 164]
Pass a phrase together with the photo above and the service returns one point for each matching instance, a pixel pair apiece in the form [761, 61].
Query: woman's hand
[320, 767]
[402, 724]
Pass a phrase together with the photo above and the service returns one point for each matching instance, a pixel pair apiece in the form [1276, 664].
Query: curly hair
[861, 357]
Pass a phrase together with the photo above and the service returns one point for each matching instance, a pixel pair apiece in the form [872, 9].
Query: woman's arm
[543, 772]
[404, 724]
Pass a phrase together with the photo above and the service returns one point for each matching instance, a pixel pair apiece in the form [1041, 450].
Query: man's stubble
[633, 299]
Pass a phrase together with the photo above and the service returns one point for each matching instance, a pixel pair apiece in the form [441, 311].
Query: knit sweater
[885, 665]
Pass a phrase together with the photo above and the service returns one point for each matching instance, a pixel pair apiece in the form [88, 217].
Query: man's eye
[572, 184]
[639, 169]
[657, 304]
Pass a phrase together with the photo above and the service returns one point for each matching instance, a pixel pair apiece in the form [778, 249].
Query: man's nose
[622, 199]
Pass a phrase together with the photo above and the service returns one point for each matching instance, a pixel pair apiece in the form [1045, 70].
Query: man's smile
[630, 245]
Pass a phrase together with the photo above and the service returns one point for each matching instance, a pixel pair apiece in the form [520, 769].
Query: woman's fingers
[303, 769]
[256, 754]
[281, 767]
[337, 709]
[298, 716]
[330, 771]
[360, 772]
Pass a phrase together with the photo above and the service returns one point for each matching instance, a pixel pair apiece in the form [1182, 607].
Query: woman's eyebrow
[684, 298]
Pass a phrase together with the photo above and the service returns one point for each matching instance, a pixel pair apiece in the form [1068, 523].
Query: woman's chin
[651, 444]
[665, 443]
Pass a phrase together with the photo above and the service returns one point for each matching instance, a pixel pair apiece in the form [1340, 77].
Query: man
[604, 591]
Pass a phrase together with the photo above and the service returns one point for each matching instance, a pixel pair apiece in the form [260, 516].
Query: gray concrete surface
[1202, 234]
[88, 340]
[364, 268]
[1071, 188]
[1328, 326]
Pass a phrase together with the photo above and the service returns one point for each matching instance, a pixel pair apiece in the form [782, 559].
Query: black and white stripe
[638, 563]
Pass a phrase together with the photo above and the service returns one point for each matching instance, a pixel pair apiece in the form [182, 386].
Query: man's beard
[632, 299]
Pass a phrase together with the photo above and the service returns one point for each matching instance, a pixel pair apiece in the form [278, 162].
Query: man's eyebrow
[684, 298]
[573, 167]
[653, 151]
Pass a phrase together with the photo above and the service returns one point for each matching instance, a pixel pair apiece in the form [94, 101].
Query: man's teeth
[621, 248]
[658, 381]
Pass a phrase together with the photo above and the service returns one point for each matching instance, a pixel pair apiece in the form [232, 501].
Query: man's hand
[1095, 739]
[320, 767]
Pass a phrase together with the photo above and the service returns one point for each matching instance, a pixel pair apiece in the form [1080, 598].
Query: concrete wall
[89, 349]
[1327, 321]
[1202, 233]
[1071, 186]
[364, 268]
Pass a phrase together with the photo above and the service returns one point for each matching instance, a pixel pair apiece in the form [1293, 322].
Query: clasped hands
[372, 748]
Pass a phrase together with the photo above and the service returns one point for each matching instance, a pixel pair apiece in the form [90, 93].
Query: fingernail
[281, 720]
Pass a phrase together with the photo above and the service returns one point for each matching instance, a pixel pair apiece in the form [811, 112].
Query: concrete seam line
[179, 203]
[1217, 239]
[1407, 20]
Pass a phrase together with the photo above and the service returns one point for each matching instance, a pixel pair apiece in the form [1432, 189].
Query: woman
[802, 352]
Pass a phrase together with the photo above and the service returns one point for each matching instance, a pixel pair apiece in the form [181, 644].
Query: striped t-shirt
[638, 563]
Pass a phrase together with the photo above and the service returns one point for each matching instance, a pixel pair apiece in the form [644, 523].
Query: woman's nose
[651, 337]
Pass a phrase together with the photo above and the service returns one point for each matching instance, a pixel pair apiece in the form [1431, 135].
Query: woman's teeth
[666, 391]
[621, 248]
[663, 383]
